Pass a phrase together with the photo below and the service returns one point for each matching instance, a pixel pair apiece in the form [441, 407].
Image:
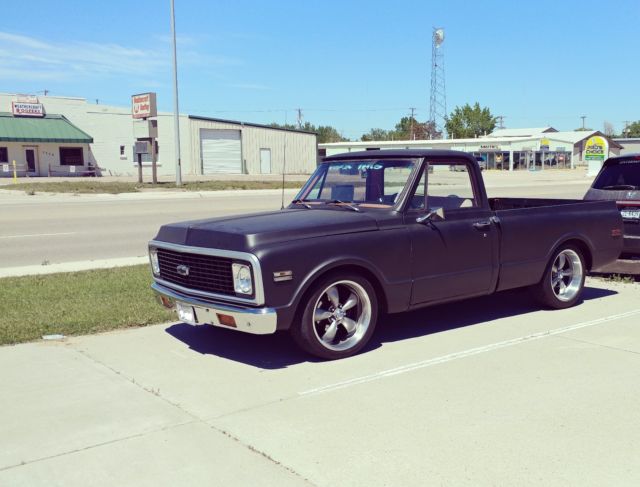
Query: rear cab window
[449, 186]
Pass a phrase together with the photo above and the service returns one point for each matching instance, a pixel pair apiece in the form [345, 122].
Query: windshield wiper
[301, 202]
[342, 204]
[621, 186]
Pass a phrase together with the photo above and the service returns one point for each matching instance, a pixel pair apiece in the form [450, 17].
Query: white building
[507, 149]
[208, 145]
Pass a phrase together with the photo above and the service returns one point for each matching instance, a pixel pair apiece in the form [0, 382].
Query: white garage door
[221, 151]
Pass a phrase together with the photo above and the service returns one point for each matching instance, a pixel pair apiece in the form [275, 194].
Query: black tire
[549, 291]
[306, 331]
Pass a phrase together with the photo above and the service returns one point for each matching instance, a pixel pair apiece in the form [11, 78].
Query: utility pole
[176, 114]
[500, 121]
[583, 117]
[625, 132]
[300, 118]
[411, 134]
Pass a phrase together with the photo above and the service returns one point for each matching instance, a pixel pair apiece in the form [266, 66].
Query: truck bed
[531, 227]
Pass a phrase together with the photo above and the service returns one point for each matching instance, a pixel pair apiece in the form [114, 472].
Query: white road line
[465, 353]
[37, 235]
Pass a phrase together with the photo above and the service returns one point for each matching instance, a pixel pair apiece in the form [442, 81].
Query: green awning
[50, 128]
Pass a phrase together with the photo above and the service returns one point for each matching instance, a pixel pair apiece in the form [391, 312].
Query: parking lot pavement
[492, 391]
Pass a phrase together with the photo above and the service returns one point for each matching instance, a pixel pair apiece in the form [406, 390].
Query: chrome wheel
[566, 275]
[342, 315]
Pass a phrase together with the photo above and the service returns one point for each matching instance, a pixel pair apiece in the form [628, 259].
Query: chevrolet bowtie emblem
[183, 270]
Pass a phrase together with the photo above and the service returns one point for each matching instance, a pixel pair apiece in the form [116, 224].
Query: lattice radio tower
[438, 98]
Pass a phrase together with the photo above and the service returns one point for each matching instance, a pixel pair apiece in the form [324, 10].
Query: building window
[4, 155]
[322, 152]
[71, 156]
[122, 151]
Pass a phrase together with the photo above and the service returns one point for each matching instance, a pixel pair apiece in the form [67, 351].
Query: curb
[85, 265]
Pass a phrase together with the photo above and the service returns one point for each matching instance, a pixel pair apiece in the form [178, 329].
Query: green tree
[326, 133]
[408, 128]
[376, 134]
[632, 130]
[470, 121]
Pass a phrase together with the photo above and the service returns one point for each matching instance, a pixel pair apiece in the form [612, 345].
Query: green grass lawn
[77, 303]
[116, 187]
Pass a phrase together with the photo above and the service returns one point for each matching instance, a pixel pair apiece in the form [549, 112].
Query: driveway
[490, 391]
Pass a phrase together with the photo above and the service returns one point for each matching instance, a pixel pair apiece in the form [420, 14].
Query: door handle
[482, 226]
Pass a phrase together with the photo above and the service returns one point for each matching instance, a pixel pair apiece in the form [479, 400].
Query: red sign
[144, 105]
[27, 109]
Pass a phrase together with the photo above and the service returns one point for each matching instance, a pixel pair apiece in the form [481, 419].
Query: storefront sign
[144, 105]
[544, 144]
[27, 109]
[489, 147]
[5, 168]
[596, 149]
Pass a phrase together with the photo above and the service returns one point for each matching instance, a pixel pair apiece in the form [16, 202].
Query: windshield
[624, 174]
[377, 182]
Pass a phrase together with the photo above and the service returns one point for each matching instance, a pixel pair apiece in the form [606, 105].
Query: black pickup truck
[378, 232]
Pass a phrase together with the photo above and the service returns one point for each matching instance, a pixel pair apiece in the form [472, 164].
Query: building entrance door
[31, 160]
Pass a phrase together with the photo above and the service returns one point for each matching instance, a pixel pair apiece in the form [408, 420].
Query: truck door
[454, 253]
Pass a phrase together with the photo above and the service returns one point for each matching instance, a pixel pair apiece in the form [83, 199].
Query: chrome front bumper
[259, 321]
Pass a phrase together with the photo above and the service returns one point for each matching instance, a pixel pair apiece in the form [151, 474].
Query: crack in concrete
[96, 445]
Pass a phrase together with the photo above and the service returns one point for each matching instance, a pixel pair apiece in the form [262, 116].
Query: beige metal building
[223, 146]
[209, 146]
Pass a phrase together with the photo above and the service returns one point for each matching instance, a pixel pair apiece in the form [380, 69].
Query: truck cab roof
[397, 153]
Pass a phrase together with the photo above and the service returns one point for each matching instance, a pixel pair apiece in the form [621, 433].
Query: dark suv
[619, 180]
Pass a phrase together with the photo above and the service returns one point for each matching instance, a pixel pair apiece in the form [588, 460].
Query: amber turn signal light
[226, 320]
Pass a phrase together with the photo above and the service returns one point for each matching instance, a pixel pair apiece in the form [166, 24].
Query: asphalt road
[487, 392]
[64, 228]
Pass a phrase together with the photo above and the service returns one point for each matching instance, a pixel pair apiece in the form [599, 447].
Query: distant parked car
[619, 180]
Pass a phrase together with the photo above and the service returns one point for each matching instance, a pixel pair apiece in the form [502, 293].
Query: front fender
[383, 255]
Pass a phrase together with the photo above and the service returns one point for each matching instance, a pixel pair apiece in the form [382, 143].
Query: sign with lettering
[544, 144]
[144, 105]
[596, 149]
[20, 109]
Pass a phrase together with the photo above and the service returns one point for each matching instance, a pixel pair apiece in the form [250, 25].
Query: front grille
[207, 273]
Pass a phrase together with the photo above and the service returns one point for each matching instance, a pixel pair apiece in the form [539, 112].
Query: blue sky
[351, 64]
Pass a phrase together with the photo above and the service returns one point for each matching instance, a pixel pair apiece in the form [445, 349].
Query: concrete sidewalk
[491, 391]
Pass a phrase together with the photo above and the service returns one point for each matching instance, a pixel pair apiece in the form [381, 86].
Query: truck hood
[247, 232]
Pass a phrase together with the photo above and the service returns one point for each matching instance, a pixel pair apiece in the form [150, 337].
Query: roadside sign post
[144, 107]
[15, 172]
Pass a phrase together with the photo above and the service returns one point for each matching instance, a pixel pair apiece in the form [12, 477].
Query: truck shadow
[278, 351]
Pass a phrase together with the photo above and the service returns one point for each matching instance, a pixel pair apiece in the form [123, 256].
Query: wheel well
[342, 269]
[584, 249]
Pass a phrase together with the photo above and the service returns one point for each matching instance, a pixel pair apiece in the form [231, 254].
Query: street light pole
[176, 113]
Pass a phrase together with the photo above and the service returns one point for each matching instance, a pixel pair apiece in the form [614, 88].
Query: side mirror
[436, 214]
